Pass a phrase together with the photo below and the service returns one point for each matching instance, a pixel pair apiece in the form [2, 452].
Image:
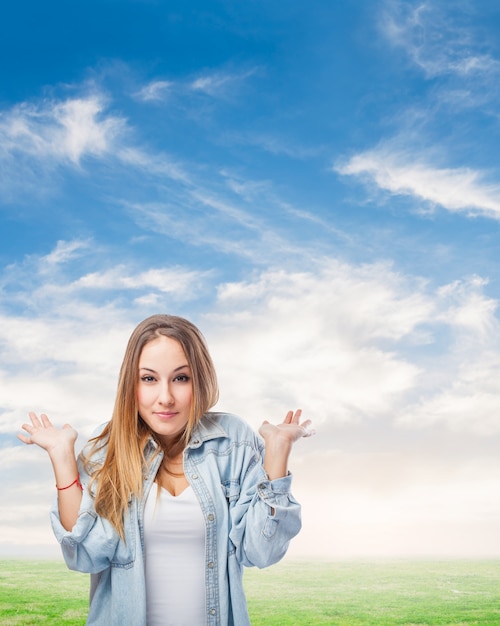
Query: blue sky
[317, 186]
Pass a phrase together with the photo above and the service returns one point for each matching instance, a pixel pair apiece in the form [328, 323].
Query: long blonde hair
[125, 436]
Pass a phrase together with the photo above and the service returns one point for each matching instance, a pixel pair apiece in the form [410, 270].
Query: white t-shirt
[174, 538]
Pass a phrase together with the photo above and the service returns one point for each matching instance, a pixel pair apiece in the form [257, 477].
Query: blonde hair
[121, 474]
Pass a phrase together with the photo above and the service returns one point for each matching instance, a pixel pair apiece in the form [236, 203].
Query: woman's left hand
[279, 439]
[289, 431]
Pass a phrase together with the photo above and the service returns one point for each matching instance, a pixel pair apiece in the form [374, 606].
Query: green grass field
[293, 593]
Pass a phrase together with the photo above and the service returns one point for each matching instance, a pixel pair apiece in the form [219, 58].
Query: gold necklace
[174, 474]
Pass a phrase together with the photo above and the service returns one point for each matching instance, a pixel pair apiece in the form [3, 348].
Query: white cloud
[342, 342]
[155, 91]
[83, 132]
[64, 252]
[314, 339]
[200, 217]
[466, 405]
[219, 84]
[37, 138]
[403, 173]
[277, 145]
[159, 165]
[460, 391]
[62, 131]
[216, 84]
[469, 309]
[436, 39]
[58, 283]
[176, 280]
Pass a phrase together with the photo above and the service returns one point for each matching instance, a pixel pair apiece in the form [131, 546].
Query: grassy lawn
[41, 592]
[293, 593]
[376, 593]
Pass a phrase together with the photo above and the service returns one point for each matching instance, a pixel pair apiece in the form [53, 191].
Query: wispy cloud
[315, 325]
[63, 252]
[39, 140]
[203, 221]
[436, 39]
[356, 329]
[155, 91]
[464, 395]
[215, 84]
[178, 281]
[58, 284]
[63, 131]
[152, 164]
[276, 144]
[404, 173]
[220, 83]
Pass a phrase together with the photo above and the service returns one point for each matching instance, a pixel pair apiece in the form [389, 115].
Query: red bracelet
[75, 482]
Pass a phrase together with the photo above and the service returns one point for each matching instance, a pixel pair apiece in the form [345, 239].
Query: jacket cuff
[276, 493]
[85, 520]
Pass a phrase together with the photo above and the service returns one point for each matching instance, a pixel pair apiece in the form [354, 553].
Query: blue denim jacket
[249, 522]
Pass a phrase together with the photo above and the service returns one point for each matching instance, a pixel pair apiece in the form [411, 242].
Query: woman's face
[165, 389]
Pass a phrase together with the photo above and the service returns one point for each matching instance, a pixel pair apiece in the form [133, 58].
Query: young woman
[168, 501]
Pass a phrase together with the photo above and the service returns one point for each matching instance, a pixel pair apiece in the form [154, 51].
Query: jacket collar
[207, 428]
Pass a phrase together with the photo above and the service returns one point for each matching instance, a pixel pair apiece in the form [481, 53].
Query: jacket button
[212, 611]
[210, 517]
[194, 476]
[211, 565]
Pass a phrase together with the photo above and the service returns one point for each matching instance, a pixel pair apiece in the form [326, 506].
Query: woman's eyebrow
[148, 369]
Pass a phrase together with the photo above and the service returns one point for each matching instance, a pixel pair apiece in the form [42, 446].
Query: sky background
[317, 186]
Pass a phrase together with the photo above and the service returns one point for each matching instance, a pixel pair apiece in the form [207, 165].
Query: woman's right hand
[60, 445]
[42, 433]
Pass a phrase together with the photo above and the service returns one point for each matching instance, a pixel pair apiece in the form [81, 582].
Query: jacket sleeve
[92, 544]
[264, 517]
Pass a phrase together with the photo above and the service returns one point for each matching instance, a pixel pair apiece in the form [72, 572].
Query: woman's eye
[147, 379]
[182, 378]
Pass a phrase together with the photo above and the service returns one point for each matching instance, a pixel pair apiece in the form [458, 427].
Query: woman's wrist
[276, 458]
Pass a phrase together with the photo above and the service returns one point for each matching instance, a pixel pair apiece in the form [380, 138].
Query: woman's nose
[165, 396]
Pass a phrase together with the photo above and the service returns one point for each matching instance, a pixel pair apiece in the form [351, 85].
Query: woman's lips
[165, 415]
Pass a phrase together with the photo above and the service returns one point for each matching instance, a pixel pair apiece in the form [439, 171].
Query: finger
[34, 419]
[25, 439]
[45, 420]
[288, 418]
[264, 428]
[296, 416]
[28, 428]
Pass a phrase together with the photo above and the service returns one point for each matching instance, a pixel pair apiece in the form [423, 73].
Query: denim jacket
[249, 521]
